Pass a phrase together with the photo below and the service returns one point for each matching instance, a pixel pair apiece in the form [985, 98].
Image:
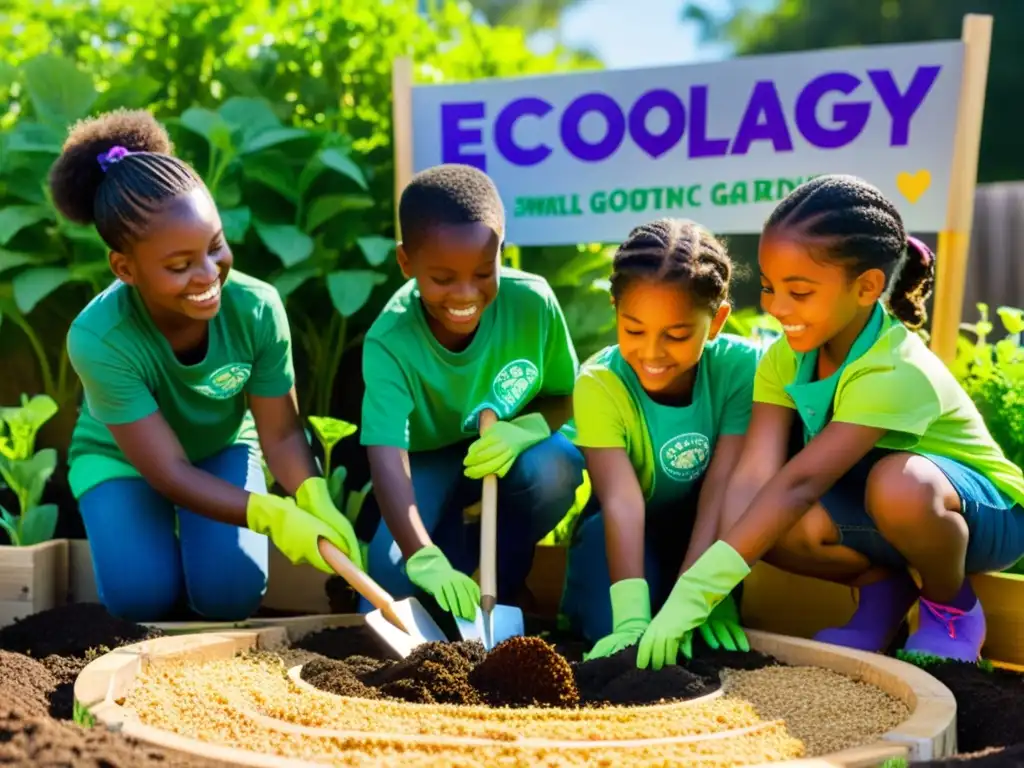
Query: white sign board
[585, 157]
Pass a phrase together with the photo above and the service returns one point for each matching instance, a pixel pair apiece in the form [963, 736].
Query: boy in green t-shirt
[165, 459]
[865, 457]
[448, 345]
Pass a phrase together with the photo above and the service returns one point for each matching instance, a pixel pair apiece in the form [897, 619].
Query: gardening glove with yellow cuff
[496, 451]
[631, 615]
[455, 592]
[314, 497]
[294, 531]
[723, 630]
[696, 593]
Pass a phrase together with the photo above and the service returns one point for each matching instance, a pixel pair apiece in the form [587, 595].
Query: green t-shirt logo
[226, 382]
[685, 457]
[514, 382]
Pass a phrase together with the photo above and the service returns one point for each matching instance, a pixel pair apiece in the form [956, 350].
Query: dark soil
[41, 656]
[988, 714]
[522, 671]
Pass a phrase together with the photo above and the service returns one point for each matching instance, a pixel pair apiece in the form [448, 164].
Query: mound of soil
[71, 630]
[522, 671]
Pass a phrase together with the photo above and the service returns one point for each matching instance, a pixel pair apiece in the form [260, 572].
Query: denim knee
[149, 598]
[549, 473]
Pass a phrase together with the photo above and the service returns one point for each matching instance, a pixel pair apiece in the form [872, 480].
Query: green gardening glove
[701, 587]
[314, 497]
[455, 592]
[631, 614]
[295, 532]
[496, 451]
[723, 630]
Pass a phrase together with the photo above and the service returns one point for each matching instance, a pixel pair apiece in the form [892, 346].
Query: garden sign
[584, 157]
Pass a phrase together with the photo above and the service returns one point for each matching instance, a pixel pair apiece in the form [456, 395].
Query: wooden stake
[954, 241]
[401, 121]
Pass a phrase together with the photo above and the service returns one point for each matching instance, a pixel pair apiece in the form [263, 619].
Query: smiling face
[816, 301]
[662, 334]
[456, 270]
[181, 262]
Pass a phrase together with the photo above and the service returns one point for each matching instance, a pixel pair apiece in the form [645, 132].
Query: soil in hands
[522, 671]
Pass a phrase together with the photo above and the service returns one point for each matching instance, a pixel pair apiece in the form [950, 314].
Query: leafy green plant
[993, 375]
[329, 432]
[26, 471]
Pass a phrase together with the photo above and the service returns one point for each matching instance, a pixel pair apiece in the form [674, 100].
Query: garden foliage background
[285, 109]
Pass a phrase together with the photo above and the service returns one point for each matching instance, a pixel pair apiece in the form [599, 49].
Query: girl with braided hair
[865, 458]
[660, 417]
[188, 377]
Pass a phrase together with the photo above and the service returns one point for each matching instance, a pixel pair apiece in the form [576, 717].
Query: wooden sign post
[955, 239]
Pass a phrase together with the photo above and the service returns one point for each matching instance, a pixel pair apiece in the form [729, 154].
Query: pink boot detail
[949, 632]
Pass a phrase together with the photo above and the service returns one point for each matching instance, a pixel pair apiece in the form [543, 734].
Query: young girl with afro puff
[186, 366]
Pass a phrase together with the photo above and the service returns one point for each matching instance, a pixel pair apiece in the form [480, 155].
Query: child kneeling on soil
[660, 417]
[165, 458]
[446, 346]
[893, 468]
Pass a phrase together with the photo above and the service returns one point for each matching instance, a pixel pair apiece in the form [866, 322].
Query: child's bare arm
[392, 486]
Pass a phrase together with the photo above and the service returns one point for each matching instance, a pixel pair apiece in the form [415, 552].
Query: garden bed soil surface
[40, 657]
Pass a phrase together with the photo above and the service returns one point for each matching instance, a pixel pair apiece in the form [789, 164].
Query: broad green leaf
[350, 289]
[209, 125]
[337, 160]
[330, 431]
[272, 138]
[285, 241]
[132, 89]
[12, 532]
[1013, 319]
[29, 476]
[36, 411]
[326, 207]
[236, 223]
[12, 259]
[38, 524]
[7, 517]
[35, 138]
[33, 285]
[271, 170]
[292, 280]
[61, 93]
[14, 218]
[375, 248]
[248, 116]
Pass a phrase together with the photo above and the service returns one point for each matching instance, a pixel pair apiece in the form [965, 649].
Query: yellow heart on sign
[913, 185]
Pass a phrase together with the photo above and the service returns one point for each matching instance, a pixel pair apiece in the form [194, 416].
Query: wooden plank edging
[929, 732]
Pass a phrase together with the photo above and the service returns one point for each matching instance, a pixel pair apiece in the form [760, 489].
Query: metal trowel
[401, 625]
[494, 623]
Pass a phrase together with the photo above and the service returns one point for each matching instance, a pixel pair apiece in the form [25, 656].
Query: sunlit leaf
[350, 289]
[376, 249]
[285, 241]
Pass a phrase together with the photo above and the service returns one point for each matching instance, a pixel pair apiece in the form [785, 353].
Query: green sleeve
[387, 402]
[560, 361]
[115, 392]
[273, 373]
[899, 399]
[776, 369]
[600, 422]
[739, 399]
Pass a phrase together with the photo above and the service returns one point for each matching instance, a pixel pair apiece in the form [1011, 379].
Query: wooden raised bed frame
[32, 579]
[930, 732]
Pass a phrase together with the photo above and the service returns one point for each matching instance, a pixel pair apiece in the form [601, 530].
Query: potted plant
[33, 565]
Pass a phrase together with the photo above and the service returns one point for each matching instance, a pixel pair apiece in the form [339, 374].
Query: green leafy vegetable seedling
[26, 471]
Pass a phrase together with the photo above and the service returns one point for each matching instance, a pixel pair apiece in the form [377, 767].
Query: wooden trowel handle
[360, 581]
[488, 529]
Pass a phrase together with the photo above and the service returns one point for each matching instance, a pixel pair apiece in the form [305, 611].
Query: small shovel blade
[491, 628]
[422, 627]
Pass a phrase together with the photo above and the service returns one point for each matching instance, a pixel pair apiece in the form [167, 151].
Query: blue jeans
[533, 498]
[143, 569]
[586, 602]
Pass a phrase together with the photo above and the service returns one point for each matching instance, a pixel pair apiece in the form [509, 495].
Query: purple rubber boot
[949, 632]
[881, 608]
